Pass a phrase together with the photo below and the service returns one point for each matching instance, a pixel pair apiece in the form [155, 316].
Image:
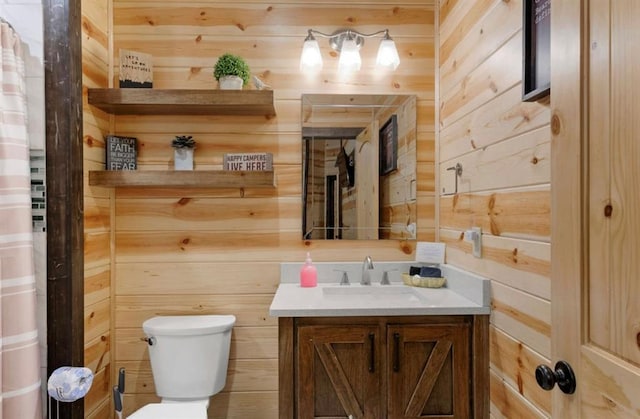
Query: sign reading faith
[121, 153]
[248, 161]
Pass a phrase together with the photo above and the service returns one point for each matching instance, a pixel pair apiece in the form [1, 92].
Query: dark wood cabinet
[384, 367]
[338, 372]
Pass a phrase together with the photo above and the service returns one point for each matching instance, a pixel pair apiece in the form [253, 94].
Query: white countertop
[464, 293]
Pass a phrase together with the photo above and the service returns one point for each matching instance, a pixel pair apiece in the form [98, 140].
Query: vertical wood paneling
[504, 147]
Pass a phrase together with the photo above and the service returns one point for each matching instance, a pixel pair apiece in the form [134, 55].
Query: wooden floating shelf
[183, 102]
[182, 178]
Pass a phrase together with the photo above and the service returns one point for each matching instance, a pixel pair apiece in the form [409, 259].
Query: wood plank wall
[503, 145]
[180, 251]
[97, 213]
[397, 189]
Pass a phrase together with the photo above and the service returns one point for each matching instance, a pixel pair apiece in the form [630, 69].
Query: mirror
[358, 167]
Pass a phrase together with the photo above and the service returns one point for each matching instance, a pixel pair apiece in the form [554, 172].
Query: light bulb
[349, 57]
[310, 59]
[388, 54]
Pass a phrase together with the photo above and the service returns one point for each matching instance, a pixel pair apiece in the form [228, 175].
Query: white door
[596, 205]
[367, 181]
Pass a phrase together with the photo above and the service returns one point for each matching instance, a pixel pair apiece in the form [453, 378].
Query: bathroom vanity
[382, 351]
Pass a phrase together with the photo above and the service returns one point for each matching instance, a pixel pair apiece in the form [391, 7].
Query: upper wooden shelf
[183, 101]
[182, 178]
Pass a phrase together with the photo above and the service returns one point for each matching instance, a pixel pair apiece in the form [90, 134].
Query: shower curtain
[19, 350]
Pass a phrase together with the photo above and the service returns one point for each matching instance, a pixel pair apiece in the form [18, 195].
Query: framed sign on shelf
[536, 59]
[389, 146]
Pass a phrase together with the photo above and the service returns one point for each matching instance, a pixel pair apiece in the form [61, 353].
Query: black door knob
[563, 375]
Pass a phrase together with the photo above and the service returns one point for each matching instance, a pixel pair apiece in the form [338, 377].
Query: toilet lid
[171, 411]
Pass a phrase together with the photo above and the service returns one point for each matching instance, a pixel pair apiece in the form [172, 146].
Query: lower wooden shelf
[182, 178]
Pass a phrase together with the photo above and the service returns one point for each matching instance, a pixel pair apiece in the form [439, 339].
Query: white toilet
[189, 358]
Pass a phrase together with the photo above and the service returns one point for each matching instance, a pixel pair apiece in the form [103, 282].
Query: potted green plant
[231, 71]
[183, 152]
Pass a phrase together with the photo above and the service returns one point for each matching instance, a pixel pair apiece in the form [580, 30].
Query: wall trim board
[65, 257]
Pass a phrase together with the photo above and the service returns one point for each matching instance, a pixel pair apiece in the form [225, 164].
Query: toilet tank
[189, 354]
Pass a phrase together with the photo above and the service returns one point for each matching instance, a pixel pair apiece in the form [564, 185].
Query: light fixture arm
[337, 38]
[312, 32]
[348, 42]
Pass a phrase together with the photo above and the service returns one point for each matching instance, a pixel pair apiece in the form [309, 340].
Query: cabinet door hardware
[396, 352]
[372, 354]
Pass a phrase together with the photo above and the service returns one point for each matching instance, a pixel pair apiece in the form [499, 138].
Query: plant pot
[230, 83]
[183, 159]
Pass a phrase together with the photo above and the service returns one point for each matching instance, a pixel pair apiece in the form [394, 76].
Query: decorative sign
[248, 161]
[389, 146]
[136, 69]
[121, 152]
[536, 63]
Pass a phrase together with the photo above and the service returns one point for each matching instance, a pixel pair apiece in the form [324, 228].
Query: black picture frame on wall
[389, 146]
[536, 48]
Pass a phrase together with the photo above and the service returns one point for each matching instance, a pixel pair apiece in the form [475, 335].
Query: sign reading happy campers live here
[248, 161]
[122, 153]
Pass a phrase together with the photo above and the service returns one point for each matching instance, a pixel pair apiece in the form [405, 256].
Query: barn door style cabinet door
[428, 371]
[338, 372]
[385, 367]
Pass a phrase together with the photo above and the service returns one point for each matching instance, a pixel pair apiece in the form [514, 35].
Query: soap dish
[424, 282]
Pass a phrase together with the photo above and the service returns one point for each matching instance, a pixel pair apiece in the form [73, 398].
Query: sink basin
[464, 293]
[391, 294]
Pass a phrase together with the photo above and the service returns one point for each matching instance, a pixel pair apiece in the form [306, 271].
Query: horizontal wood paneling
[517, 213]
[98, 395]
[247, 342]
[96, 249]
[483, 39]
[498, 119]
[242, 375]
[97, 353]
[260, 18]
[504, 350]
[523, 161]
[97, 284]
[520, 264]
[503, 145]
[491, 78]
[250, 310]
[246, 247]
[97, 320]
[155, 149]
[507, 403]
[102, 410]
[97, 213]
[522, 316]
[237, 214]
[197, 278]
[189, 251]
[456, 20]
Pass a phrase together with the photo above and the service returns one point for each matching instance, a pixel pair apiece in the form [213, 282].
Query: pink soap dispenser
[308, 273]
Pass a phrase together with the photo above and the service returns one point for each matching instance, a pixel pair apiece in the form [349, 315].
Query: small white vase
[230, 83]
[183, 159]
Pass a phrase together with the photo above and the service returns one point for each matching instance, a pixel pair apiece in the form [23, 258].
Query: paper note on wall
[429, 252]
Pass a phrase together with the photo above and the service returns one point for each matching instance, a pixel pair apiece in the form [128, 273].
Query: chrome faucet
[367, 265]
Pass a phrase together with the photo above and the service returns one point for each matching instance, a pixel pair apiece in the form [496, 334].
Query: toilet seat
[184, 410]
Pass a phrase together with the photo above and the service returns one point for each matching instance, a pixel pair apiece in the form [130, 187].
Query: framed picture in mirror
[389, 146]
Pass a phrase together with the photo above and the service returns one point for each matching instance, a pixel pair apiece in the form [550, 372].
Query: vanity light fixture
[348, 43]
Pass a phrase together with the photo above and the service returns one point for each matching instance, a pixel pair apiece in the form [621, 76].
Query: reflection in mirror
[359, 167]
